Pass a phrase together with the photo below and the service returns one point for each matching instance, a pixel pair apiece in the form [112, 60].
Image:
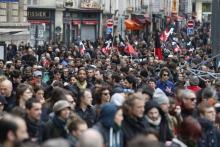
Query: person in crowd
[164, 83]
[35, 126]
[194, 84]
[82, 84]
[65, 75]
[141, 141]
[98, 75]
[13, 131]
[91, 138]
[85, 109]
[103, 96]
[152, 83]
[6, 89]
[76, 127]
[91, 75]
[134, 122]
[16, 78]
[58, 142]
[156, 119]
[3, 102]
[29, 58]
[208, 94]
[109, 124]
[39, 93]
[118, 99]
[56, 127]
[116, 78]
[188, 133]
[151, 134]
[187, 102]
[130, 83]
[23, 93]
[164, 103]
[210, 134]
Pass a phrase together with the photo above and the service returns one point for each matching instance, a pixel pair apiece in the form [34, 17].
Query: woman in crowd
[109, 125]
[23, 93]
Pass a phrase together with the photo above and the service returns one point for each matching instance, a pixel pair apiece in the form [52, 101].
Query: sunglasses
[192, 99]
[166, 75]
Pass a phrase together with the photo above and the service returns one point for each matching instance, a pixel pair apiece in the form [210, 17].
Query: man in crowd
[35, 126]
[13, 131]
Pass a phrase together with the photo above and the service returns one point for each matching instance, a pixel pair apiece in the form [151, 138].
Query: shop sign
[38, 14]
[90, 4]
[70, 3]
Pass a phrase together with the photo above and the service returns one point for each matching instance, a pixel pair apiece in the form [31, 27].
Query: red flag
[165, 34]
[130, 50]
[105, 51]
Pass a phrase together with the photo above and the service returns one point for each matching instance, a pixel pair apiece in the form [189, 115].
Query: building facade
[13, 21]
[202, 9]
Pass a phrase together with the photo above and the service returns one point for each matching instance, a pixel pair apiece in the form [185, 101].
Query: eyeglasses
[167, 75]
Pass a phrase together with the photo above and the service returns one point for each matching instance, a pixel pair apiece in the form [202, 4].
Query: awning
[11, 31]
[90, 22]
[38, 21]
[132, 25]
[141, 18]
[76, 22]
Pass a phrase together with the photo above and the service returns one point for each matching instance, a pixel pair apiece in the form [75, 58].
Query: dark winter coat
[55, 128]
[210, 134]
[132, 127]
[35, 130]
[88, 115]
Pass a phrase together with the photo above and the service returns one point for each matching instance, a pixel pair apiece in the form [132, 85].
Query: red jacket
[194, 88]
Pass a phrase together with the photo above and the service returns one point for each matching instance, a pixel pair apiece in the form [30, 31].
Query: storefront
[42, 25]
[83, 22]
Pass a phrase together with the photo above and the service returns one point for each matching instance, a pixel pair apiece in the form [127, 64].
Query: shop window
[206, 7]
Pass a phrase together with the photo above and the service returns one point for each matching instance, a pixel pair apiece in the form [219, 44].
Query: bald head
[91, 138]
[6, 88]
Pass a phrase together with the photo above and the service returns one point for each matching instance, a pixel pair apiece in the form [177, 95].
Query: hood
[107, 114]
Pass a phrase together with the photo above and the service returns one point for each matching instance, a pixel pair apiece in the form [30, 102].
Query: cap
[37, 73]
[60, 105]
[160, 97]
[117, 99]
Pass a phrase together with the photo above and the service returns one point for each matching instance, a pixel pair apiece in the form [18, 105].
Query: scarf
[114, 138]
[61, 125]
[82, 86]
[156, 122]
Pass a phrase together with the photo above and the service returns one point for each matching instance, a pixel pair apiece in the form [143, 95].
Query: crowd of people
[124, 96]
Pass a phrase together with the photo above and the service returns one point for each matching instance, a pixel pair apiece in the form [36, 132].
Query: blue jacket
[111, 133]
[163, 85]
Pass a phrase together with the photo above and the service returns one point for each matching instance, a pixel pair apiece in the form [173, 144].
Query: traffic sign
[109, 23]
[190, 31]
[190, 24]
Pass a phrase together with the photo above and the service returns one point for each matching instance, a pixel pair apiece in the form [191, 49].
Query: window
[206, 7]
[32, 2]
